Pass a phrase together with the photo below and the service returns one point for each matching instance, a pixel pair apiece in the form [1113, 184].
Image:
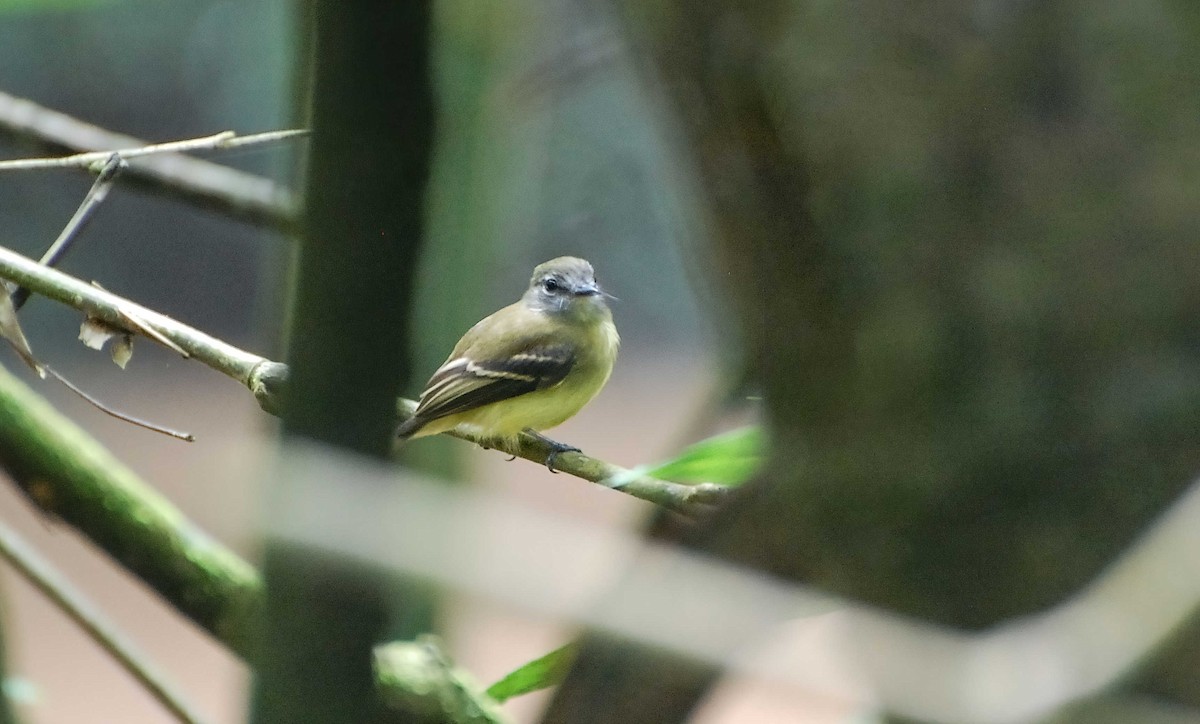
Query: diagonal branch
[84, 613]
[238, 194]
[72, 477]
[217, 141]
[117, 312]
[107, 176]
[266, 379]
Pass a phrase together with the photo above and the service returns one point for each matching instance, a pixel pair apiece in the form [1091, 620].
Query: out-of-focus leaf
[96, 332]
[541, 673]
[727, 459]
[10, 330]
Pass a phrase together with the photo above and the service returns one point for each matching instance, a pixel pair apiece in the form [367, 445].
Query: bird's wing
[464, 383]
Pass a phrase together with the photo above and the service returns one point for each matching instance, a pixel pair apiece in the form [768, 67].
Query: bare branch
[123, 417]
[43, 577]
[238, 194]
[217, 141]
[66, 238]
[225, 358]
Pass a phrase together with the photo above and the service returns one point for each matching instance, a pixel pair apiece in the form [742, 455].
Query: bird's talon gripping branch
[556, 448]
[555, 451]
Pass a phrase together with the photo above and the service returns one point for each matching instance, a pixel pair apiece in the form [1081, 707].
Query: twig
[235, 193]
[91, 202]
[95, 196]
[38, 572]
[145, 424]
[114, 310]
[217, 141]
[266, 380]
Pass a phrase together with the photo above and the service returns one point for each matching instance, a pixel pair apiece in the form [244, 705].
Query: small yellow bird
[528, 367]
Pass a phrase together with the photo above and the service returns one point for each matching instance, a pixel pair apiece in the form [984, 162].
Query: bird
[527, 367]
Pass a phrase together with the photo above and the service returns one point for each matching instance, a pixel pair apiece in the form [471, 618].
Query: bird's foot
[556, 448]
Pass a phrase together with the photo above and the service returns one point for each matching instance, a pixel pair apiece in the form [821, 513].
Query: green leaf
[538, 674]
[727, 459]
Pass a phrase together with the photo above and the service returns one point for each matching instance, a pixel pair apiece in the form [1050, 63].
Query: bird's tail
[410, 427]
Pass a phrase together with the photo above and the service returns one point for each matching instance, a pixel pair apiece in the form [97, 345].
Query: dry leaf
[134, 323]
[96, 332]
[122, 350]
[10, 330]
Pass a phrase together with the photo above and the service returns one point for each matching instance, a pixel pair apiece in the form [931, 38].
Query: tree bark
[372, 123]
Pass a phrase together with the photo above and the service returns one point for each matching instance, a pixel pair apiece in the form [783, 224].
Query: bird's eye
[550, 285]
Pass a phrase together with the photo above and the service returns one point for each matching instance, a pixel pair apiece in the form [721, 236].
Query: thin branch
[124, 417]
[217, 141]
[66, 238]
[104, 181]
[266, 379]
[114, 310]
[21, 556]
[235, 193]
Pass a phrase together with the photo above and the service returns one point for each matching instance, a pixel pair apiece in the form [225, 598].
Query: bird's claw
[556, 449]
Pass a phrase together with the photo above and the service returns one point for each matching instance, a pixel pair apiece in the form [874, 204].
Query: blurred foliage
[727, 459]
[541, 673]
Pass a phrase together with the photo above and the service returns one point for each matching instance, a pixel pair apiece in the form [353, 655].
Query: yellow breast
[548, 407]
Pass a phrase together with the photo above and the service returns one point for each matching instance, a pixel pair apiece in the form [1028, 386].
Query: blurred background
[953, 243]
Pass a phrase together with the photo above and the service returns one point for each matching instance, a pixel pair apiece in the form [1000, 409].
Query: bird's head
[567, 285]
